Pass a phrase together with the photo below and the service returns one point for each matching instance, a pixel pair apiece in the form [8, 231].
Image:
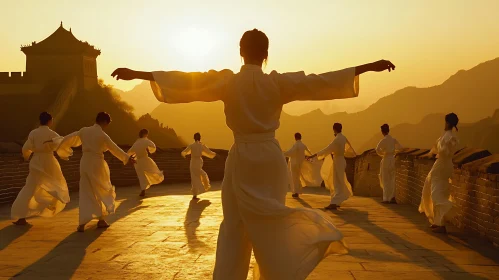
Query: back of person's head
[451, 120]
[197, 136]
[337, 127]
[298, 136]
[143, 133]
[385, 129]
[45, 118]
[103, 118]
[254, 46]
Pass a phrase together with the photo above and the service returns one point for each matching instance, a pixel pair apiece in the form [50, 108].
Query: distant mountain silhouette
[141, 97]
[472, 94]
[481, 134]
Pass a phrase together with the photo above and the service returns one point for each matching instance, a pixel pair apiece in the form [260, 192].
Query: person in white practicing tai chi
[334, 167]
[45, 192]
[199, 179]
[97, 194]
[296, 157]
[288, 243]
[386, 149]
[436, 201]
[147, 170]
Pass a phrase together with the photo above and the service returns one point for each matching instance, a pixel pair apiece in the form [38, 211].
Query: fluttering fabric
[147, 170]
[287, 242]
[199, 178]
[45, 192]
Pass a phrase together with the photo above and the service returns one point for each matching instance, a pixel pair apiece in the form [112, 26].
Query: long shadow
[10, 233]
[63, 261]
[361, 219]
[192, 222]
[480, 246]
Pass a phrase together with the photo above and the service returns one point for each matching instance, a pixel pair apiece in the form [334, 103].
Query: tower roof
[61, 41]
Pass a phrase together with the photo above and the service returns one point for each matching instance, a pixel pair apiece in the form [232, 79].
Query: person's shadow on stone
[10, 233]
[63, 261]
[192, 222]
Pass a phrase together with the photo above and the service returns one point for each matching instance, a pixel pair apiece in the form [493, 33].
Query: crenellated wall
[14, 170]
[474, 185]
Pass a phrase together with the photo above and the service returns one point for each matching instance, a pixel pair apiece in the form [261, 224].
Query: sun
[195, 45]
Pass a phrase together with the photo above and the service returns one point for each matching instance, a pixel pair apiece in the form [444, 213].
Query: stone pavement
[166, 236]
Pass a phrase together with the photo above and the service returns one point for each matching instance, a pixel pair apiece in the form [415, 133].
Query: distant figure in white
[386, 149]
[45, 192]
[288, 242]
[300, 170]
[199, 179]
[333, 169]
[436, 201]
[97, 194]
[147, 170]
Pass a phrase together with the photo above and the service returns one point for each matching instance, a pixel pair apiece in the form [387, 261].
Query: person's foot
[80, 228]
[385, 202]
[433, 226]
[331, 207]
[393, 201]
[142, 193]
[194, 197]
[102, 224]
[439, 229]
[295, 195]
[20, 222]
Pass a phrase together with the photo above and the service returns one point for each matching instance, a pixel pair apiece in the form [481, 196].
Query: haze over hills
[472, 94]
[481, 134]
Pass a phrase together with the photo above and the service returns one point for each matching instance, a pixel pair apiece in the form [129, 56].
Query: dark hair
[298, 136]
[197, 136]
[385, 128]
[143, 132]
[45, 118]
[254, 45]
[452, 120]
[103, 117]
[337, 127]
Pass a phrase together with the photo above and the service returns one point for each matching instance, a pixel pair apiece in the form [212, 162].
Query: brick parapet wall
[474, 186]
[13, 170]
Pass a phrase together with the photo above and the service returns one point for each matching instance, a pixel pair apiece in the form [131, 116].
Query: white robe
[287, 242]
[386, 149]
[45, 192]
[436, 201]
[301, 171]
[97, 194]
[333, 168]
[199, 179]
[147, 170]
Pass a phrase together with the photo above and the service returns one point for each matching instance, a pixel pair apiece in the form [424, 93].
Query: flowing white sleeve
[349, 151]
[307, 151]
[28, 147]
[133, 150]
[182, 87]
[64, 150]
[151, 147]
[208, 153]
[380, 149]
[186, 152]
[332, 85]
[326, 151]
[56, 141]
[446, 146]
[116, 151]
[290, 152]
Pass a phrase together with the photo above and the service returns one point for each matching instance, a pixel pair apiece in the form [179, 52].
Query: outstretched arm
[327, 86]
[129, 74]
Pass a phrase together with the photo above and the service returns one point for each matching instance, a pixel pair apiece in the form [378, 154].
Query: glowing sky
[427, 40]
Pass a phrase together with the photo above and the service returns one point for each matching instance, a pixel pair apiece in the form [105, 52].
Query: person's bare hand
[123, 74]
[382, 65]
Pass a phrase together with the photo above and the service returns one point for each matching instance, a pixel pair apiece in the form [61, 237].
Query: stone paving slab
[167, 236]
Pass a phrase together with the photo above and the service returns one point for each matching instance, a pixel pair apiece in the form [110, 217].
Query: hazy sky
[427, 40]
